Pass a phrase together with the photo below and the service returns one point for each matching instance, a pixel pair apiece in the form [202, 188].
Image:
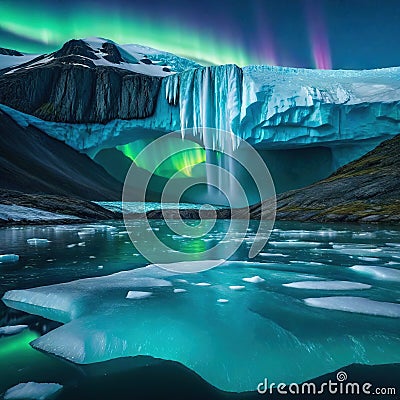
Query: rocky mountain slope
[33, 162]
[365, 190]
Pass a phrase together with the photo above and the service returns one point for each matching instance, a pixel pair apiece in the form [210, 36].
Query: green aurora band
[44, 29]
[181, 158]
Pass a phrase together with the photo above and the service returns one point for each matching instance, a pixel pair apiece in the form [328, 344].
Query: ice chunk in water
[33, 391]
[38, 241]
[236, 287]
[273, 255]
[179, 290]
[8, 258]
[222, 300]
[296, 244]
[132, 294]
[64, 304]
[12, 329]
[359, 305]
[254, 279]
[370, 259]
[86, 232]
[266, 329]
[383, 273]
[327, 285]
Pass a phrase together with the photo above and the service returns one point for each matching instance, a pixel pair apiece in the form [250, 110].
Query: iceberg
[239, 335]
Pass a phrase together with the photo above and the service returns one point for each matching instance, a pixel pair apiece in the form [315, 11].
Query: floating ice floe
[272, 255]
[328, 285]
[38, 241]
[8, 258]
[63, 305]
[86, 232]
[33, 391]
[359, 305]
[236, 287]
[202, 284]
[263, 333]
[12, 329]
[357, 250]
[382, 273]
[133, 294]
[306, 262]
[296, 244]
[368, 259]
[254, 279]
[179, 290]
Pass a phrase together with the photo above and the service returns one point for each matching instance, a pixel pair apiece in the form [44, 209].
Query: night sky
[355, 34]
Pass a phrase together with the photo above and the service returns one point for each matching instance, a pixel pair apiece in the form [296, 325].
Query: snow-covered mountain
[95, 51]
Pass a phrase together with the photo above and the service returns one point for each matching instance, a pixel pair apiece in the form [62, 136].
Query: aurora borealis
[185, 156]
[301, 33]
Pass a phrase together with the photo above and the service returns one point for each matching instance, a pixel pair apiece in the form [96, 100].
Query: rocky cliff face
[366, 190]
[68, 86]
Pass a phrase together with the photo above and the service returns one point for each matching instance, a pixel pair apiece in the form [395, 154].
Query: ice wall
[274, 108]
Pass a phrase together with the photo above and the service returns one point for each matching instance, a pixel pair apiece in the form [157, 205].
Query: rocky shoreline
[18, 208]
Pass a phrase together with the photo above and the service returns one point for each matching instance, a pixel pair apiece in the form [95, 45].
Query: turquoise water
[326, 296]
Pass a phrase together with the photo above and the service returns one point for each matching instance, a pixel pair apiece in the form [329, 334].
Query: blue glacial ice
[233, 325]
[349, 112]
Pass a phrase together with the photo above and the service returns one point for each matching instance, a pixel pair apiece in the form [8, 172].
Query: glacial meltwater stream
[317, 298]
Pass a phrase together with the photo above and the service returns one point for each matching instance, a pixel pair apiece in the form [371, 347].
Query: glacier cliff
[272, 107]
[332, 117]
